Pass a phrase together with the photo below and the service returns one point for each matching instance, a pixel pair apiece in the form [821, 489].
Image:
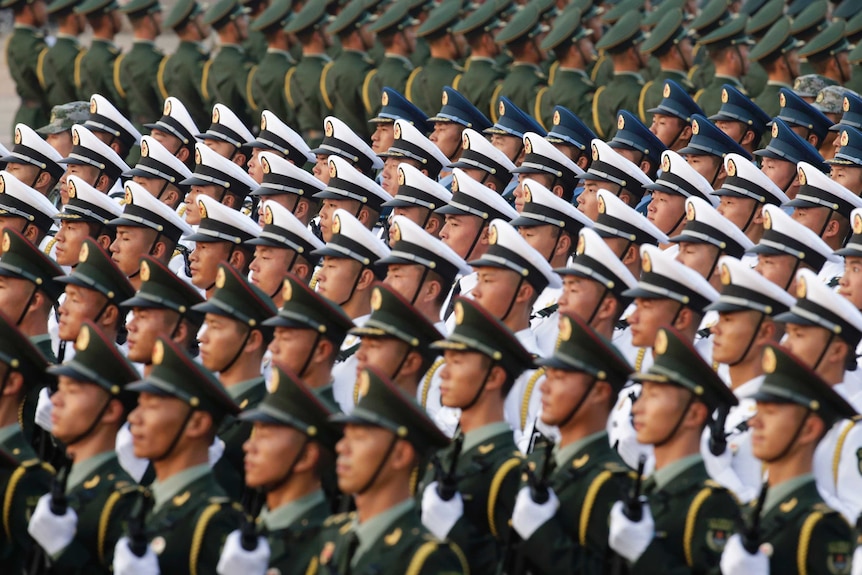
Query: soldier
[302, 82]
[446, 48]
[727, 48]
[147, 227]
[480, 82]
[225, 76]
[285, 246]
[610, 171]
[741, 119]
[827, 54]
[26, 211]
[23, 477]
[417, 199]
[26, 45]
[278, 139]
[680, 392]
[346, 277]
[341, 79]
[183, 70]
[394, 106]
[95, 69]
[265, 87]
[570, 86]
[58, 132]
[713, 15]
[483, 361]
[804, 119]
[571, 136]
[179, 409]
[395, 30]
[33, 161]
[830, 101]
[62, 59]
[255, 44]
[288, 186]
[671, 117]
[522, 37]
[135, 73]
[671, 45]
[228, 136]
[507, 133]
[584, 376]
[160, 173]
[855, 61]
[792, 397]
[352, 192]
[385, 437]
[744, 193]
[113, 128]
[86, 214]
[93, 161]
[455, 114]
[622, 43]
[89, 407]
[706, 150]
[746, 306]
[635, 142]
[309, 331]
[341, 141]
[483, 162]
[778, 53]
[176, 131]
[217, 178]
[780, 157]
[410, 147]
[847, 163]
[287, 454]
[544, 164]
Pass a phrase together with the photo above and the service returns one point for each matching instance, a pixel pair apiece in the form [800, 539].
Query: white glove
[857, 562]
[235, 560]
[52, 532]
[735, 559]
[628, 538]
[134, 466]
[216, 450]
[440, 516]
[43, 410]
[528, 515]
[127, 563]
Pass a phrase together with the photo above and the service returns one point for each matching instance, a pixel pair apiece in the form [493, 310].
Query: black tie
[456, 290]
[352, 542]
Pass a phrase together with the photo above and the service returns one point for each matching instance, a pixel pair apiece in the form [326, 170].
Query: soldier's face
[288, 201]
[270, 453]
[459, 233]
[61, 142]
[850, 285]
[462, 376]
[384, 353]
[40, 13]
[447, 137]
[562, 391]
[80, 304]
[783, 174]
[389, 180]
[848, 176]
[543, 179]
[291, 347]
[702, 258]
[75, 404]
[666, 211]
[733, 333]
[779, 269]
[361, 451]
[24, 172]
[147, 325]
[738, 210]
[545, 239]
[320, 169]
[255, 170]
[69, 238]
[772, 426]
[14, 293]
[511, 146]
[383, 136]
[86, 173]
[404, 279]
[269, 267]
[667, 128]
[814, 219]
[327, 209]
[807, 342]
[580, 297]
[154, 424]
[152, 185]
[649, 315]
[416, 214]
[337, 278]
[204, 261]
[497, 289]
[706, 166]
[657, 410]
[220, 339]
[588, 200]
[169, 141]
[223, 149]
[193, 211]
[735, 130]
[13, 223]
[130, 244]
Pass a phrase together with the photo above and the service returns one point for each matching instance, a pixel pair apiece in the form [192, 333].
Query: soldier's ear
[434, 225]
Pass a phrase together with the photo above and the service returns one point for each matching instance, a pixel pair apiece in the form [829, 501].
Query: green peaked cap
[20, 354]
[678, 363]
[161, 288]
[292, 403]
[97, 271]
[304, 308]
[381, 404]
[237, 299]
[21, 259]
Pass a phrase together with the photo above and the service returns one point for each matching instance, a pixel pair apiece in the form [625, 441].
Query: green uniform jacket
[571, 89]
[341, 87]
[229, 471]
[255, 45]
[103, 502]
[653, 91]
[768, 98]
[694, 516]
[181, 75]
[481, 83]
[521, 85]
[24, 49]
[20, 490]
[225, 82]
[575, 540]
[97, 73]
[406, 548]
[266, 86]
[293, 548]
[59, 67]
[189, 531]
[806, 536]
[621, 93]
[392, 73]
[136, 77]
[487, 476]
[855, 81]
[755, 80]
[425, 85]
[303, 94]
[709, 97]
[602, 70]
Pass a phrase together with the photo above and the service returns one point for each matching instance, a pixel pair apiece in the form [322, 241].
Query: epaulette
[338, 518]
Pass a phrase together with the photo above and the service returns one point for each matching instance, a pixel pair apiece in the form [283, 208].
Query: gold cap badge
[363, 383]
[660, 346]
[774, 130]
[273, 381]
[731, 168]
[7, 242]
[621, 122]
[145, 271]
[725, 275]
[328, 129]
[665, 163]
[445, 98]
[566, 329]
[18, 137]
[769, 362]
[376, 299]
[216, 116]
[84, 254]
[83, 339]
[459, 313]
[666, 92]
[94, 106]
[695, 127]
[333, 169]
[646, 263]
[287, 291]
[145, 149]
[221, 278]
[336, 224]
[724, 96]
[492, 235]
[267, 215]
[557, 117]
[203, 209]
[158, 353]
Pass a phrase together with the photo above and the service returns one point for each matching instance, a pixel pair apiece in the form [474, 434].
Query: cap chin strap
[238, 352]
[310, 355]
[792, 274]
[162, 190]
[137, 271]
[715, 176]
[353, 287]
[793, 439]
[685, 63]
[556, 243]
[475, 240]
[419, 285]
[789, 183]
[598, 305]
[758, 206]
[750, 341]
[289, 267]
[473, 401]
[380, 465]
[401, 363]
[580, 403]
[164, 455]
[281, 481]
[92, 425]
[27, 305]
[675, 428]
[823, 353]
[512, 301]
[840, 70]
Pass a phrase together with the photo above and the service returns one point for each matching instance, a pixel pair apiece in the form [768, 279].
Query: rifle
[137, 525]
[750, 532]
[253, 505]
[717, 436]
[447, 484]
[633, 510]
